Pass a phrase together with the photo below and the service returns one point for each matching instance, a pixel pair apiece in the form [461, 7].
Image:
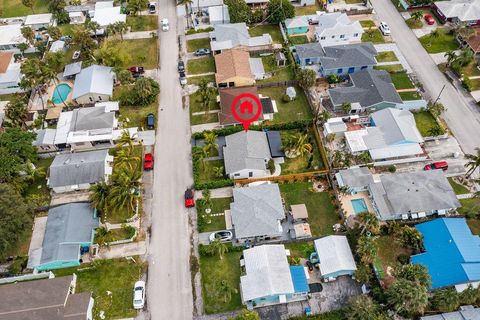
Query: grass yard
[278, 73]
[353, 1]
[471, 70]
[202, 119]
[67, 29]
[386, 56]
[307, 10]
[388, 251]
[206, 173]
[300, 249]
[142, 52]
[401, 81]
[302, 39]
[321, 212]
[219, 205]
[297, 109]
[272, 29]
[367, 23]
[475, 84]
[196, 106]
[474, 225]
[202, 65]
[469, 206]
[443, 43]
[373, 35]
[37, 191]
[135, 114]
[115, 276]
[195, 44]
[6, 97]
[410, 95]
[143, 23]
[301, 164]
[390, 67]
[114, 235]
[15, 8]
[198, 80]
[425, 122]
[458, 188]
[215, 270]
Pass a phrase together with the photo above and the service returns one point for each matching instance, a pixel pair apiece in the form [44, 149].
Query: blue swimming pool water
[60, 93]
[359, 206]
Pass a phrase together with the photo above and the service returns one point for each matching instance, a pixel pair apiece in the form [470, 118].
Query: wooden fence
[287, 83]
[287, 177]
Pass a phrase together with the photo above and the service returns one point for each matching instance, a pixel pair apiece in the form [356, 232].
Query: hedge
[209, 184]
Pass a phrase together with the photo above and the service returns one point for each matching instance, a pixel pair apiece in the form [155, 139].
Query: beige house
[93, 84]
[233, 69]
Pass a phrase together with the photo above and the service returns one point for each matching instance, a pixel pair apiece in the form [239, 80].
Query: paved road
[462, 116]
[169, 290]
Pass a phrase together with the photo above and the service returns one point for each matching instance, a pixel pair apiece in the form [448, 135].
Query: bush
[392, 169]
[403, 258]
[286, 98]
[204, 251]
[333, 78]
[129, 230]
[271, 166]
[467, 84]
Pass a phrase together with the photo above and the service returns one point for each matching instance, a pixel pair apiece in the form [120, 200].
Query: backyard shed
[291, 93]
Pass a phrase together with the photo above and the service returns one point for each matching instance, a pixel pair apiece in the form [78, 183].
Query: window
[342, 36]
[333, 37]
[231, 84]
[340, 71]
[237, 174]
[91, 99]
[364, 67]
[351, 70]
[355, 35]
[322, 38]
[250, 174]
[100, 98]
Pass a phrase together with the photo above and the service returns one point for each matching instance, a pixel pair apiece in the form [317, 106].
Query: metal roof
[108, 15]
[465, 313]
[94, 79]
[72, 69]
[246, 150]
[275, 143]
[11, 34]
[338, 21]
[334, 254]
[42, 18]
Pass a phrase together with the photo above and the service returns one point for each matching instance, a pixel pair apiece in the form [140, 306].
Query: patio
[346, 202]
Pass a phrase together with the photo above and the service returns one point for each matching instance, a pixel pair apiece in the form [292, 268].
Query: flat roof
[42, 18]
[11, 34]
[355, 140]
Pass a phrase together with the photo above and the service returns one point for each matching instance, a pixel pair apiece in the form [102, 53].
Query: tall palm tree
[451, 56]
[369, 222]
[124, 191]
[446, 300]
[210, 141]
[362, 308]
[219, 248]
[406, 297]
[125, 140]
[417, 15]
[16, 112]
[28, 34]
[201, 154]
[93, 26]
[226, 290]
[367, 249]
[99, 196]
[126, 157]
[473, 162]
[465, 57]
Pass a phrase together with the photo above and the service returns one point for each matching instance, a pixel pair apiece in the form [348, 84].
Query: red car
[136, 70]
[148, 161]
[436, 165]
[429, 19]
[189, 200]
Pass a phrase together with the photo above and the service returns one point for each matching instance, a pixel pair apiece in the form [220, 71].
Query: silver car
[222, 236]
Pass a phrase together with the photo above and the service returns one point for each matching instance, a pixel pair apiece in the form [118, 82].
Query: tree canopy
[306, 78]
[239, 11]
[279, 10]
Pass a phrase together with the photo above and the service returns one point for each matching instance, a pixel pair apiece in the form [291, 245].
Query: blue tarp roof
[299, 279]
[452, 252]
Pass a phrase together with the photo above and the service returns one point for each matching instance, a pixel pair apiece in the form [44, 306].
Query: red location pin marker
[249, 106]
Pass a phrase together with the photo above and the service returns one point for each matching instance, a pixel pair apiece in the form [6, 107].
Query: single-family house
[233, 69]
[93, 84]
[78, 171]
[235, 35]
[268, 279]
[297, 25]
[106, 14]
[218, 15]
[257, 213]
[340, 60]
[246, 154]
[39, 21]
[473, 41]
[45, 299]
[69, 233]
[77, 17]
[336, 28]
[58, 46]
[452, 253]
[335, 257]
[368, 90]
[458, 11]
[464, 313]
[203, 5]
[392, 137]
[10, 74]
[10, 37]
[45, 141]
[355, 179]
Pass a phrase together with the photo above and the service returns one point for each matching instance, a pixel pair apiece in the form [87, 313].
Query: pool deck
[346, 202]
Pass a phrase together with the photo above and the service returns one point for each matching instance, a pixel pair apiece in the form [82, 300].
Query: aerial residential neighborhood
[239, 159]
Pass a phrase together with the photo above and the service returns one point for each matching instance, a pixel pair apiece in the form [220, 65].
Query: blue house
[69, 232]
[268, 279]
[297, 25]
[452, 254]
[335, 257]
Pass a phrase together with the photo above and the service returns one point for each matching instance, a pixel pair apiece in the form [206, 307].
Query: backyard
[401, 80]
[219, 205]
[445, 41]
[136, 115]
[111, 283]
[307, 10]
[386, 56]
[321, 212]
[143, 23]
[195, 44]
[469, 206]
[272, 29]
[297, 109]
[388, 252]
[202, 65]
[301, 163]
[302, 39]
[283, 73]
[373, 35]
[15, 8]
[425, 122]
[196, 106]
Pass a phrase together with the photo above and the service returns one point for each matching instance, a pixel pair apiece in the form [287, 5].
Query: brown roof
[77, 305]
[474, 41]
[5, 58]
[227, 96]
[232, 63]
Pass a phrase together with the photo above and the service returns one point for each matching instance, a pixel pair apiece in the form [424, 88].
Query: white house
[106, 13]
[77, 17]
[93, 84]
[10, 74]
[39, 21]
[336, 28]
[335, 257]
[10, 37]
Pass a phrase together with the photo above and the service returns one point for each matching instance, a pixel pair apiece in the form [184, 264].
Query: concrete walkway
[439, 58]
[200, 74]
[225, 192]
[205, 126]
[202, 35]
[139, 35]
[393, 47]
[465, 196]
[204, 112]
[123, 250]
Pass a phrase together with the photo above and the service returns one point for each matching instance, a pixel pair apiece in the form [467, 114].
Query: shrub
[129, 230]
[205, 251]
[271, 166]
[286, 98]
[467, 84]
[392, 168]
[403, 258]
[333, 78]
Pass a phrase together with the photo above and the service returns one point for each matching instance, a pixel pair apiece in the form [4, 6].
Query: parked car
[189, 200]
[222, 236]
[202, 52]
[165, 26]
[139, 295]
[384, 28]
[148, 161]
[136, 69]
[429, 19]
[150, 121]
[436, 165]
[183, 78]
[152, 7]
[181, 66]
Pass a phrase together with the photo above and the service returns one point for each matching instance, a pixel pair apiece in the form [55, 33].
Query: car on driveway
[436, 165]
[136, 69]
[139, 295]
[429, 19]
[181, 66]
[183, 78]
[222, 236]
[384, 28]
[189, 198]
[202, 52]
[148, 161]
[150, 121]
[164, 23]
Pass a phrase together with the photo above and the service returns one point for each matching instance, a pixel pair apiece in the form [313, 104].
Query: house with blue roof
[452, 253]
[268, 279]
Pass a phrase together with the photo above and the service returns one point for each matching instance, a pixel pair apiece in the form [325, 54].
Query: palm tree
[111, 30]
[446, 300]
[99, 196]
[298, 144]
[226, 290]
[54, 32]
[465, 57]
[411, 237]
[451, 56]
[29, 4]
[218, 247]
[127, 157]
[16, 112]
[93, 26]
[201, 155]
[323, 117]
[362, 308]
[417, 15]
[218, 171]
[23, 47]
[124, 191]
[406, 297]
[125, 140]
[367, 249]
[206, 95]
[121, 28]
[433, 35]
[413, 272]
[369, 222]
[210, 141]
[28, 34]
[473, 162]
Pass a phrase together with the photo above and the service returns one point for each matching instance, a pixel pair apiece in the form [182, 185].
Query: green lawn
[410, 95]
[301, 164]
[401, 81]
[135, 114]
[458, 188]
[143, 23]
[196, 106]
[142, 52]
[115, 235]
[197, 80]
[414, 23]
[443, 43]
[15, 8]
[388, 251]
[37, 190]
[67, 29]
[202, 65]
[390, 67]
[307, 10]
[201, 119]
[373, 35]
[297, 109]
[206, 174]
[195, 44]
[386, 56]
[6, 97]
[215, 270]
[272, 29]
[475, 84]
[219, 205]
[321, 212]
[353, 1]
[278, 73]
[425, 122]
[474, 225]
[300, 249]
[102, 277]
[367, 23]
[302, 39]
[471, 70]
[469, 206]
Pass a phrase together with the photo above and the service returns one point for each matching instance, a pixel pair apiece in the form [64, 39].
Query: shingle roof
[465, 313]
[257, 210]
[77, 305]
[232, 35]
[246, 150]
[232, 63]
[227, 96]
[337, 21]
[354, 177]
[92, 118]
[94, 79]
[464, 10]
[334, 254]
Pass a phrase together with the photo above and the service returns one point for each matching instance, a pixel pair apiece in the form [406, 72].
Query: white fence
[28, 277]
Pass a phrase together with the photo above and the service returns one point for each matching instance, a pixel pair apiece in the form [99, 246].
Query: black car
[151, 121]
[181, 66]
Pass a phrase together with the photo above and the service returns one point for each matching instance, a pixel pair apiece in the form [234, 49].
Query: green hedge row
[209, 184]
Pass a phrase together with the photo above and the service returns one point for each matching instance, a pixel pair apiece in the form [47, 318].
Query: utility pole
[436, 100]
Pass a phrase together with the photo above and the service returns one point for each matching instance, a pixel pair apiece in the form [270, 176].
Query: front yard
[217, 222]
[457, 187]
[297, 109]
[367, 23]
[143, 23]
[195, 44]
[199, 79]
[386, 56]
[373, 35]
[410, 95]
[321, 212]
[443, 43]
[206, 170]
[401, 80]
[196, 106]
[390, 67]
[142, 52]
[202, 65]
[136, 115]
[111, 283]
[272, 29]
[425, 122]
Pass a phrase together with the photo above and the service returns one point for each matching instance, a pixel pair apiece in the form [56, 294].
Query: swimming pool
[359, 206]
[60, 93]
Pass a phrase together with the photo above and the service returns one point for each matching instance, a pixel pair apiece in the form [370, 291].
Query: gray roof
[369, 87]
[77, 168]
[94, 79]
[412, 192]
[465, 313]
[77, 305]
[355, 177]
[235, 32]
[68, 226]
[205, 3]
[72, 69]
[45, 137]
[246, 150]
[309, 50]
[256, 211]
[91, 119]
[275, 144]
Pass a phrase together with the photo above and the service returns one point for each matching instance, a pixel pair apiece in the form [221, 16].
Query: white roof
[340, 23]
[103, 4]
[334, 254]
[106, 16]
[205, 3]
[401, 150]
[13, 74]
[297, 22]
[76, 14]
[11, 34]
[464, 10]
[43, 18]
[57, 46]
[109, 105]
[94, 79]
[63, 127]
[215, 13]
[355, 140]
[267, 272]
[256, 65]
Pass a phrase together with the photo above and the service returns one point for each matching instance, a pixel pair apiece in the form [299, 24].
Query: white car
[384, 28]
[222, 236]
[139, 295]
[165, 26]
